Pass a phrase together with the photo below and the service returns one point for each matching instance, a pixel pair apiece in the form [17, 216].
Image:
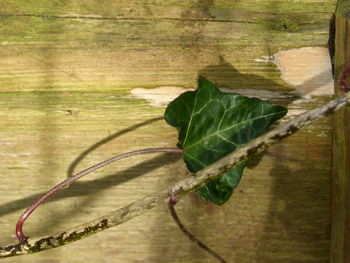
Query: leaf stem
[171, 205]
[19, 226]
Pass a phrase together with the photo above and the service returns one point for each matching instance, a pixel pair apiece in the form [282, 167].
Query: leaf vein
[217, 132]
[227, 140]
[211, 149]
[190, 121]
[223, 115]
[250, 120]
[195, 159]
[201, 109]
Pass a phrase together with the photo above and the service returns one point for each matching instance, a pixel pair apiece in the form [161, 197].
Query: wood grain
[66, 70]
[340, 239]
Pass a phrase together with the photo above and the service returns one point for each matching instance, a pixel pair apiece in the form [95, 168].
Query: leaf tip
[203, 82]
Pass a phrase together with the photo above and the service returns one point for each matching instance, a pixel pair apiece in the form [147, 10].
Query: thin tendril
[171, 205]
[19, 231]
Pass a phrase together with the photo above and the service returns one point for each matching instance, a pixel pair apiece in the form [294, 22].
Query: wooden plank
[171, 44]
[66, 73]
[340, 238]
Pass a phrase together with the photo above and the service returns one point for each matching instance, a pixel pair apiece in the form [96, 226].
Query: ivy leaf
[212, 124]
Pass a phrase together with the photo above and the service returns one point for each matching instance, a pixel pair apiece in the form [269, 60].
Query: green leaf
[212, 124]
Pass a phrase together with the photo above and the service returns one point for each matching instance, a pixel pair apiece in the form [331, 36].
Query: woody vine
[218, 134]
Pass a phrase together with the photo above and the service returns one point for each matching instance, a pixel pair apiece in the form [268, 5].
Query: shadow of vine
[94, 186]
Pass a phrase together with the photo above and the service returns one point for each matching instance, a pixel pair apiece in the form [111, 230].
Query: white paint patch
[265, 59]
[308, 69]
[160, 96]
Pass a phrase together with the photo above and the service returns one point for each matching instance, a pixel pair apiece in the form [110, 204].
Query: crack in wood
[97, 17]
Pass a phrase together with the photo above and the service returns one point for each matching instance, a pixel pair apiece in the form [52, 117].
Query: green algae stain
[284, 24]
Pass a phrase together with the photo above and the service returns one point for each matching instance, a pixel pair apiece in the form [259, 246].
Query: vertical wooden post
[340, 233]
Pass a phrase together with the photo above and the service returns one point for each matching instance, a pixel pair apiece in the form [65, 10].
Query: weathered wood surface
[66, 72]
[340, 235]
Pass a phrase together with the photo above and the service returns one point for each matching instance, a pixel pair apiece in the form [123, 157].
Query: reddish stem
[342, 84]
[19, 231]
[171, 204]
